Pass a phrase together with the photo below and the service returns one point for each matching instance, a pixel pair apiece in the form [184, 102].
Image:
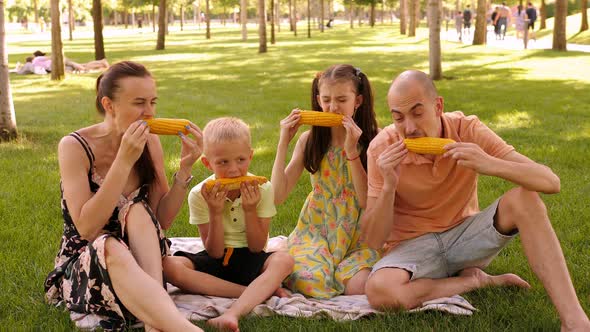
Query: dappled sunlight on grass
[184, 57]
[513, 120]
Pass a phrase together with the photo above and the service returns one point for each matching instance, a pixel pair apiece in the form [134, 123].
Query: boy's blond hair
[225, 129]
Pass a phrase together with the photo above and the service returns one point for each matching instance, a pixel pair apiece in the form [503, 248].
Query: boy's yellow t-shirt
[234, 223]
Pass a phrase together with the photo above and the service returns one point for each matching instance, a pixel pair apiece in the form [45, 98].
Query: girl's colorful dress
[326, 241]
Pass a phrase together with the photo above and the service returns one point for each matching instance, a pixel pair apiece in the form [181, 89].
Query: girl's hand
[353, 133]
[133, 142]
[215, 198]
[389, 161]
[191, 148]
[289, 126]
[250, 195]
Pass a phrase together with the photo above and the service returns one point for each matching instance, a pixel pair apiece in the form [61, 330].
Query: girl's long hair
[319, 139]
[107, 85]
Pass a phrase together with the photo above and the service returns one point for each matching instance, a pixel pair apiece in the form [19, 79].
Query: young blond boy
[234, 227]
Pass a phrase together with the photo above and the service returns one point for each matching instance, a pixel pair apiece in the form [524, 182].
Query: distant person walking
[495, 22]
[520, 24]
[467, 16]
[502, 20]
[459, 24]
[531, 13]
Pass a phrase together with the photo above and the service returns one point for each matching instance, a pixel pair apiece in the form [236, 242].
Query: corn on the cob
[164, 126]
[234, 183]
[427, 145]
[323, 119]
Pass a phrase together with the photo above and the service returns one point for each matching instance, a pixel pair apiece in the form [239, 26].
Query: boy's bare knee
[175, 267]
[283, 261]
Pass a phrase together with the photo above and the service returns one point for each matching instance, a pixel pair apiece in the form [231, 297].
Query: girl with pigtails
[330, 258]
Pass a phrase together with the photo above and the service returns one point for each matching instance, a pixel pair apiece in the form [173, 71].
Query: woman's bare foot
[483, 279]
[225, 322]
[282, 292]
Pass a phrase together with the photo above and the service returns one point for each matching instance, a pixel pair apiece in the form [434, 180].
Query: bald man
[423, 209]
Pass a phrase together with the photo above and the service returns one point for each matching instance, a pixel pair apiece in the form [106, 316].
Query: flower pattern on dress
[326, 242]
[80, 279]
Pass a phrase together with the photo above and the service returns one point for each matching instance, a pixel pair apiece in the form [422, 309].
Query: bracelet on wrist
[355, 158]
[183, 183]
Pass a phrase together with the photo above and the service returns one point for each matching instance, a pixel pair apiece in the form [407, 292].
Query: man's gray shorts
[473, 243]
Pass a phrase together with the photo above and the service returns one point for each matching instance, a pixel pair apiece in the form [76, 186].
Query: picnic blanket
[344, 307]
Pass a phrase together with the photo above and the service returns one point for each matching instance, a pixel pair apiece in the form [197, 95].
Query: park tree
[207, 20]
[57, 55]
[97, 21]
[434, 53]
[294, 17]
[583, 7]
[403, 14]
[7, 118]
[272, 22]
[413, 5]
[244, 18]
[70, 19]
[162, 25]
[479, 36]
[543, 14]
[308, 18]
[261, 26]
[559, 38]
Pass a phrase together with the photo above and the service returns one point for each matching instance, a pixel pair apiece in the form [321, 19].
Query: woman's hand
[353, 133]
[133, 142]
[250, 195]
[215, 198]
[191, 148]
[289, 126]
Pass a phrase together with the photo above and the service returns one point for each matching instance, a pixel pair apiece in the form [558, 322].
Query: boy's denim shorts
[473, 243]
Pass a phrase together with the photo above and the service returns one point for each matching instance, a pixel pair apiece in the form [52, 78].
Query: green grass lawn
[536, 100]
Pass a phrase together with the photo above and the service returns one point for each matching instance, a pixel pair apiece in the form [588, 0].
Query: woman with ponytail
[115, 202]
[330, 258]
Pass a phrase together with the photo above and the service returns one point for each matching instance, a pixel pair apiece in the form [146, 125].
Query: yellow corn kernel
[322, 119]
[427, 145]
[234, 183]
[164, 126]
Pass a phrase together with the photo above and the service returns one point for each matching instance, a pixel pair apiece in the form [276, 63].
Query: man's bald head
[410, 80]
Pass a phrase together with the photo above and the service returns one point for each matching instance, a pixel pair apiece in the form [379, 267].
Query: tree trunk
[480, 34]
[583, 7]
[434, 55]
[291, 15]
[403, 14]
[207, 20]
[543, 14]
[321, 15]
[162, 18]
[181, 18]
[7, 118]
[278, 15]
[295, 18]
[57, 55]
[244, 18]
[36, 11]
[261, 27]
[272, 22]
[412, 14]
[559, 39]
[70, 19]
[372, 17]
[97, 22]
[308, 19]
[352, 14]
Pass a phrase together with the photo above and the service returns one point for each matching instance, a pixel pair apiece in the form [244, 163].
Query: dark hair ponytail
[320, 137]
[107, 85]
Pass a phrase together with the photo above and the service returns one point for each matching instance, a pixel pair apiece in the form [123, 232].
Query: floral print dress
[326, 241]
[80, 278]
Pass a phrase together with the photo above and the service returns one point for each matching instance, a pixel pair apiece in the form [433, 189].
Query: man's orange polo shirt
[433, 195]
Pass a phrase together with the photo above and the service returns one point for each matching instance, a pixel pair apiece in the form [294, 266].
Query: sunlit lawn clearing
[536, 100]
